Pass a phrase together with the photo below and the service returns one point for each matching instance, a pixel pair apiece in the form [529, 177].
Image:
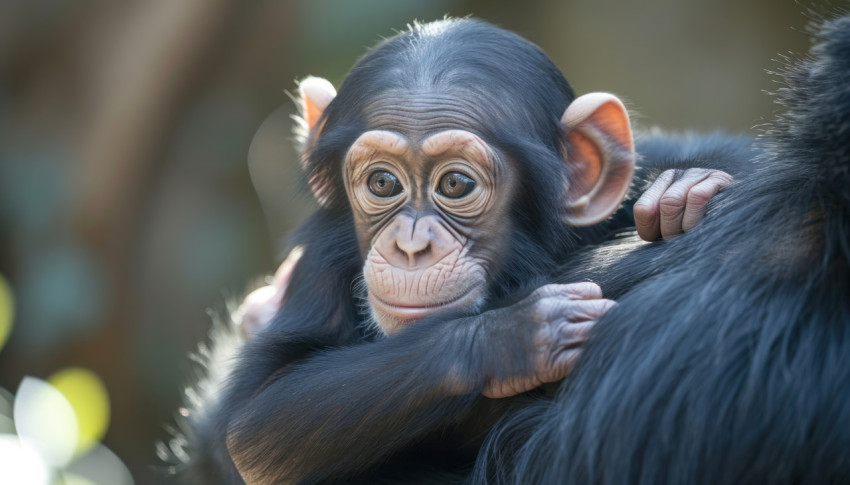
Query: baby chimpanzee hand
[551, 324]
[260, 306]
[676, 201]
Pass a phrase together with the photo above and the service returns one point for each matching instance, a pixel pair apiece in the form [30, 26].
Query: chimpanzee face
[430, 207]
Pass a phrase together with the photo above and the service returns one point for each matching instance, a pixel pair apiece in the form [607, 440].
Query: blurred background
[147, 172]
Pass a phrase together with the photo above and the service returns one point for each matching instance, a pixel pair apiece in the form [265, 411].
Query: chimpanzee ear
[315, 94]
[600, 157]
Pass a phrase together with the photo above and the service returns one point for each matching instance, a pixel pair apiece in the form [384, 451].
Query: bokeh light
[45, 421]
[21, 465]
[99, 466]
[59, 425]
[72, 479]
[87, 395]
[7, 310]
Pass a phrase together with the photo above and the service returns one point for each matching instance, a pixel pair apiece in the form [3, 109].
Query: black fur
[316, 397]
[731, 363]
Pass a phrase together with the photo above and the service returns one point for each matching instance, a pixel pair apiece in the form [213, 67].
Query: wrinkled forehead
[452, 142]
[418, 115]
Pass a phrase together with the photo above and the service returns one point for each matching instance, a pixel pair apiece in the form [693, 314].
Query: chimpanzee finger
[586, 310]
[571, 335]
[576, 311]
[261, 305]
[284, 271]
[584, 290]
[257, 310]
[564, 349]
[700, 194]
[674, 201]
[646, 209]
[560, 364]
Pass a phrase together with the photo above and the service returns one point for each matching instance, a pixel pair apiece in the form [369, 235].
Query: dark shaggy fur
[731, 363]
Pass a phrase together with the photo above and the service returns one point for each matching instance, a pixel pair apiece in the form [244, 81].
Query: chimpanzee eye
[384, 184]
[455, 185]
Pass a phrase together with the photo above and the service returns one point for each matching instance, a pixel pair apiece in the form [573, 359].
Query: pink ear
[315, 95]
[600, 157]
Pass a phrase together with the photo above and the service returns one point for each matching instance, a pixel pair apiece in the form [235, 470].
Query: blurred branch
[140, 87]
[154, 68]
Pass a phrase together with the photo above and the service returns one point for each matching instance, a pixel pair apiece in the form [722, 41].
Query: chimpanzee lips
[409, 313]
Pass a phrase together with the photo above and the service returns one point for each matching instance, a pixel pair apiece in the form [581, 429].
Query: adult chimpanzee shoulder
[456, 174]
[732, 363]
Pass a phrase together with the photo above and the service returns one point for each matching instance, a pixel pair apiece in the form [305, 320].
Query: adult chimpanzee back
[731, 364]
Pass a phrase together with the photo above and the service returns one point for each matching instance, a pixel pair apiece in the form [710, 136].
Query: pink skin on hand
[261, 305]
[562, 317]
[673, 206]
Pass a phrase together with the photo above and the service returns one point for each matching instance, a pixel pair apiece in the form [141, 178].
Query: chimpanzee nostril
[423, 252]
[400, 251]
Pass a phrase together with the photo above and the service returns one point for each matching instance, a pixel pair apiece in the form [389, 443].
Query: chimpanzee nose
[414, 243]
[416, 246]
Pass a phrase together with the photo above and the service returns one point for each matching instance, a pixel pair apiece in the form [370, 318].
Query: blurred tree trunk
[147, 80]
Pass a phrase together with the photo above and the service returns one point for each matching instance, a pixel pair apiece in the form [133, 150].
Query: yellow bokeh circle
[87, 395]
[7, 310]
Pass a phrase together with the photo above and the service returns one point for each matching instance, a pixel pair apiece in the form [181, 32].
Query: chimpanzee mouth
[410, 313]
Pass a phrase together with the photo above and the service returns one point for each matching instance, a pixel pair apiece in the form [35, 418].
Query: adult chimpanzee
[732, 363]
[453, 169]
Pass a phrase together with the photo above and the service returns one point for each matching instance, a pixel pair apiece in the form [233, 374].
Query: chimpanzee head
[464, 158]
